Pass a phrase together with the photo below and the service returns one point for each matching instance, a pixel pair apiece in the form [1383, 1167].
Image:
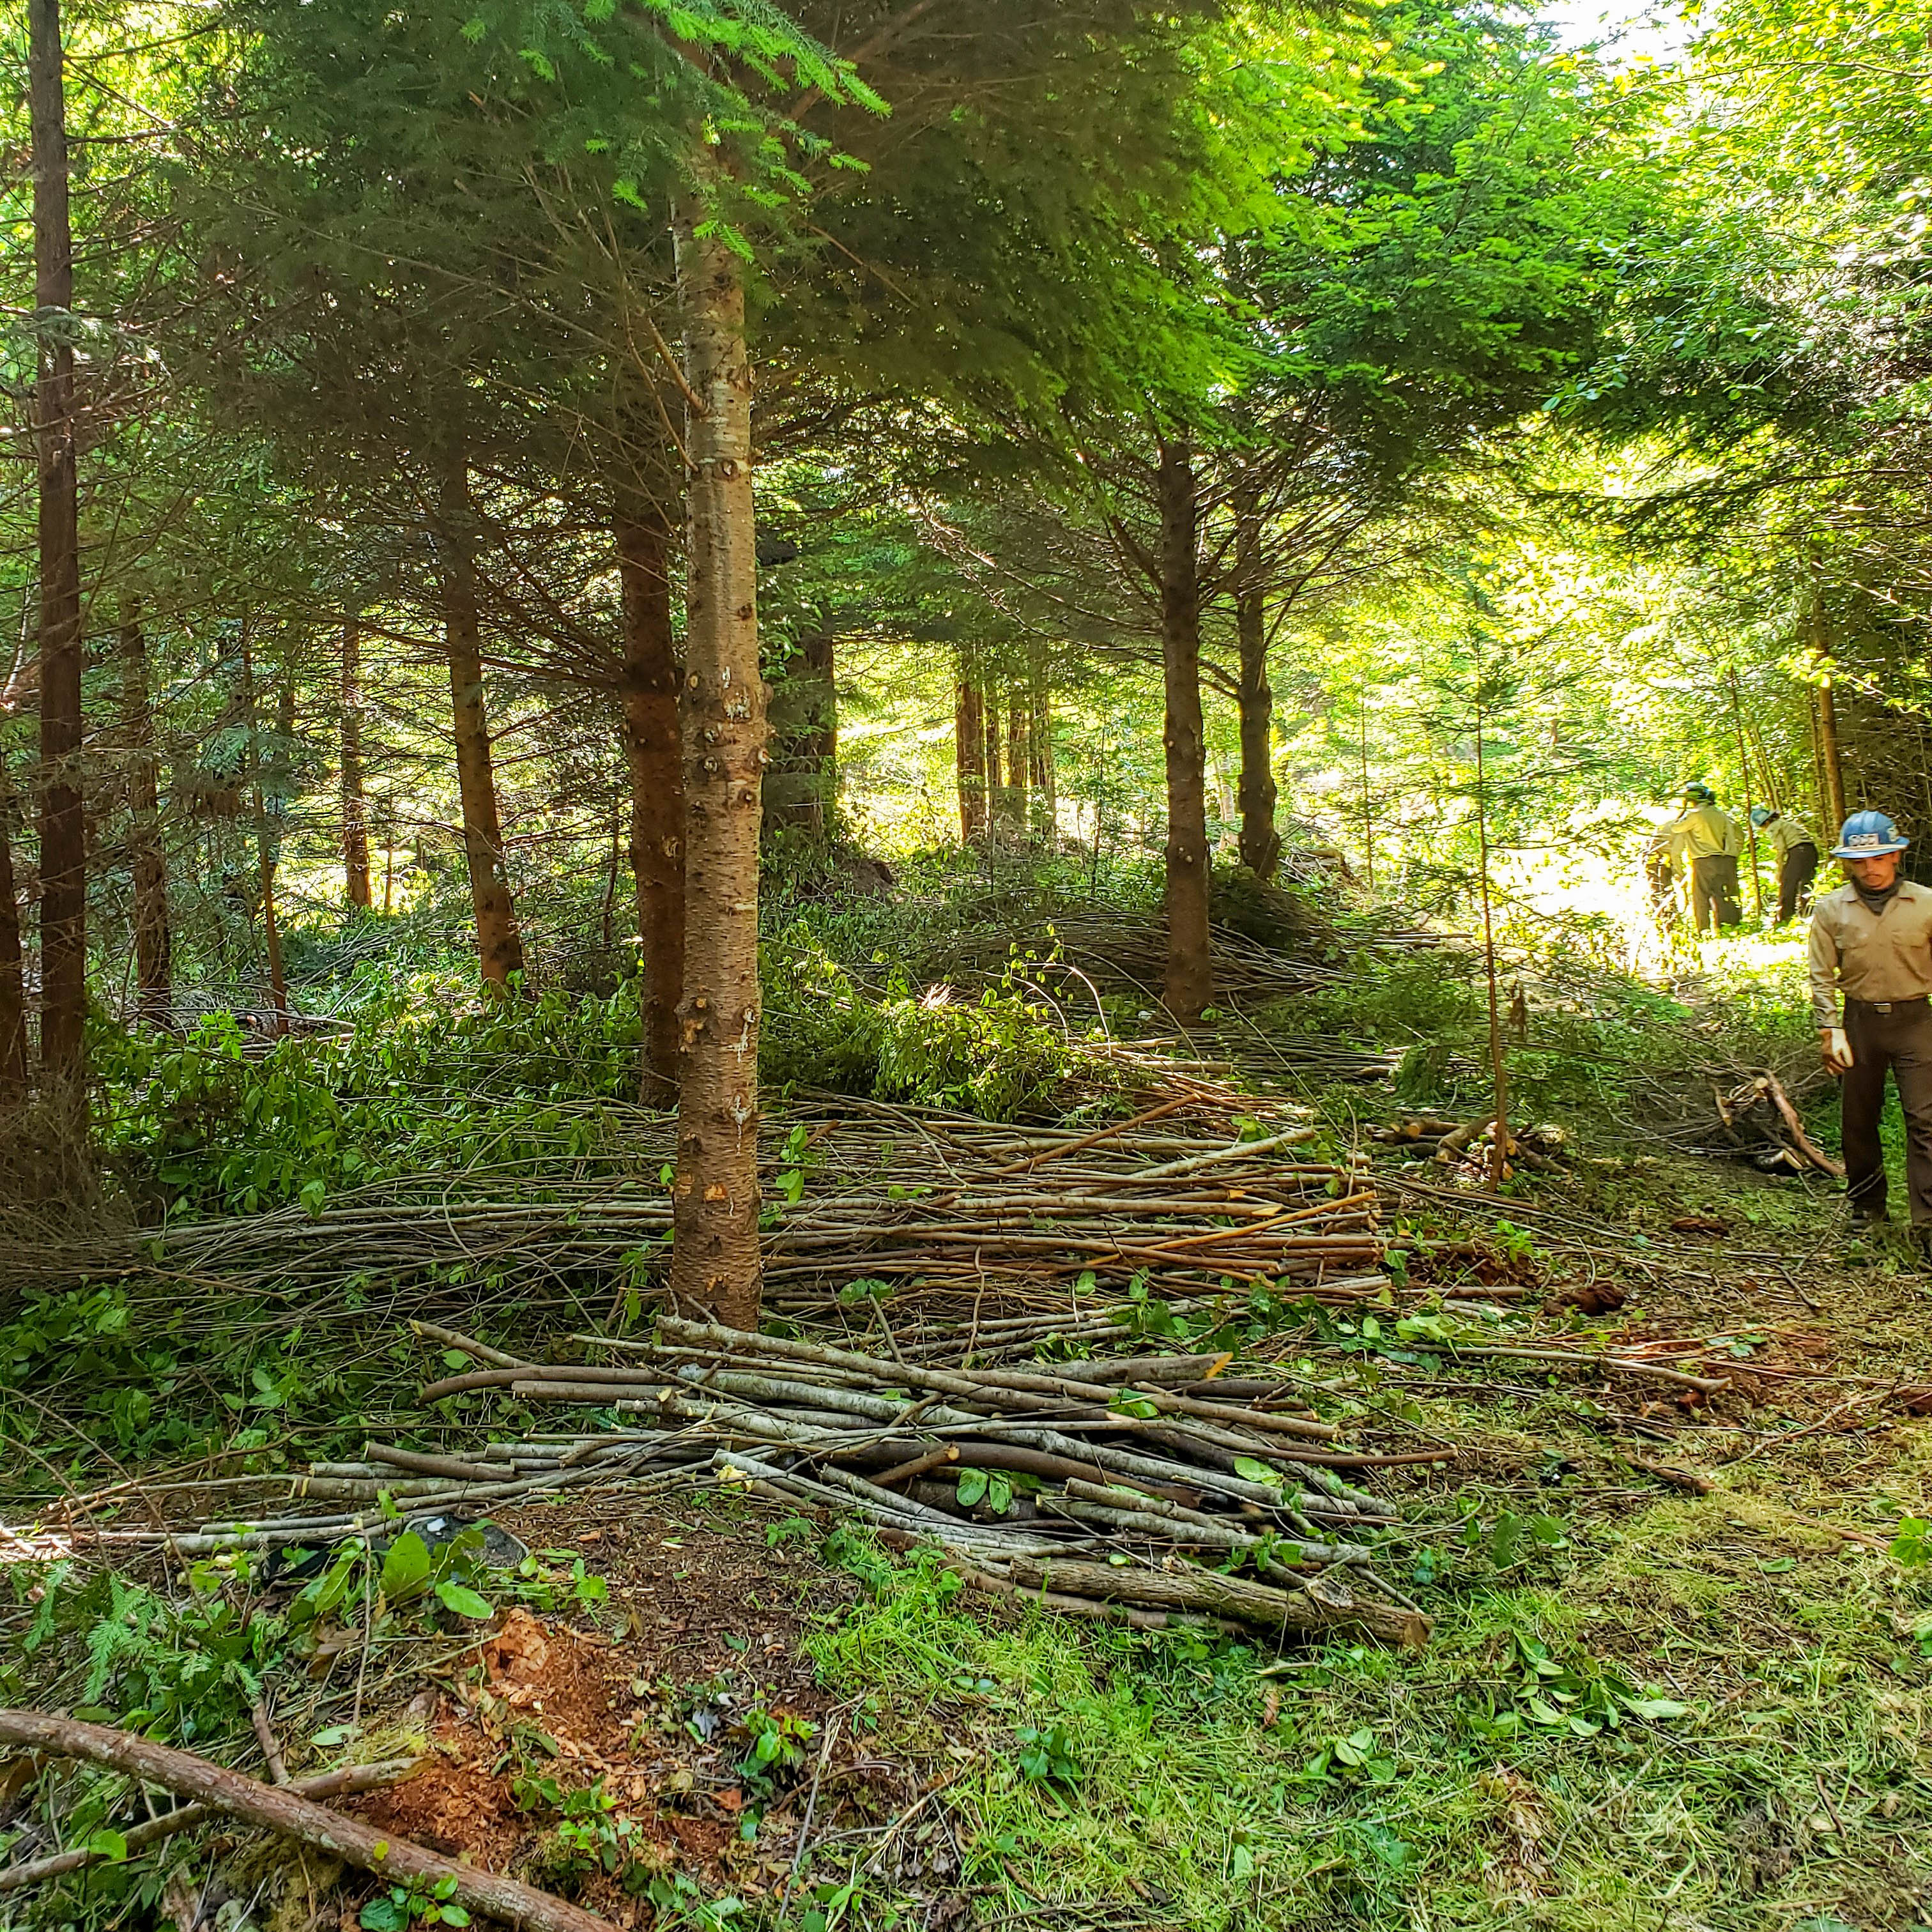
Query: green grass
[1796, 1785]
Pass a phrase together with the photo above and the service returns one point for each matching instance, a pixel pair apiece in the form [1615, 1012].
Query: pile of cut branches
[858, 1188]
[1088, 1486]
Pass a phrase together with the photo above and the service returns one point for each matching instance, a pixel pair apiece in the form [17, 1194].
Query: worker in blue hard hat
[1871, 940]
[1796, 851]
[1709, 841]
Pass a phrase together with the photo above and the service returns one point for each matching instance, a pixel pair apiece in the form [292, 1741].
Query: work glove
[1836, 1049]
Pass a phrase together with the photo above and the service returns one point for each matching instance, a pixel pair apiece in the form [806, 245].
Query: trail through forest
[946, 959]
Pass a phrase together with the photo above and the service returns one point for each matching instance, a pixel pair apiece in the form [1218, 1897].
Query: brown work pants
[1714, 888]
[1898, 1035]
[1798, 868]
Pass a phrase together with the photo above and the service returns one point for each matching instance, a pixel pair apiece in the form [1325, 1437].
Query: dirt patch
[661, 1743]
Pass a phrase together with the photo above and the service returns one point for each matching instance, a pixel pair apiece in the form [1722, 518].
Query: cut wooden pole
[296, 1817]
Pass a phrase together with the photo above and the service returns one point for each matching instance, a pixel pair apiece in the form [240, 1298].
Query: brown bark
[63, 818]
[1260, 842]
[1045, 800]
[1019, 762]
[284, 1811]
[347, 1782]
[819, 744]
[1829, 758]
[999, 805]
[654, 755]
[154, 934]
[1249, 1603]
[969, 752]
[355, 806]
[1498, 1056]
[715, 1265]
[1190, 983]
[264, 848]
[13, 975]
[499, 945]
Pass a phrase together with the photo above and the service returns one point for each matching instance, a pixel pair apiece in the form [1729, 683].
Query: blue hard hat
[1761, 815]
[1868, 835]
[1697, 793]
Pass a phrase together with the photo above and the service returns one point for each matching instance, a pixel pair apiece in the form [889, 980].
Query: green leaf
[406, 1569]
[1778, 1565]
[312, 1195]
[106, 1844]
[972, 1486]
[385, 1914]
[1655, 1708]
[463, 1600]
[1246, 1467]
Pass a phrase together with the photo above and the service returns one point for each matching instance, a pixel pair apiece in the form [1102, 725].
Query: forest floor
[1681, 1673]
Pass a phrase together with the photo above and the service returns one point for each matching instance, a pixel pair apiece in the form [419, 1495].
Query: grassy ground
[1766, 1657]
[1683, 1647]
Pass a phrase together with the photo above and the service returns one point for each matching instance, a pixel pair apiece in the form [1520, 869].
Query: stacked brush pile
[1146, 1488]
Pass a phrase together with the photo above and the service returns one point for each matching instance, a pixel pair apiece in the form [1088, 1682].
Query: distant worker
[1797, 854]
[1711, 841]
[1666, 869]
[1871, 940]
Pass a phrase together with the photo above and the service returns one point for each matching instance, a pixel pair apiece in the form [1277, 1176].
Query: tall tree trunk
[1190, 985]
[999, 805]
[355, 805]
[1018, 747]
[715, 1263]
[969, 728]
[63, 815]
[654, 757]
[13, 973]
[1498, 1055]
[820, 743]
[1826, 712]
[1260, 842]
[499, 945]
[1829, 758]
[265, 847]
[153, 934]
[1045, 800]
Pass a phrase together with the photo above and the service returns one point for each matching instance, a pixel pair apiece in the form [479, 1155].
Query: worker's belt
[1913, 1006]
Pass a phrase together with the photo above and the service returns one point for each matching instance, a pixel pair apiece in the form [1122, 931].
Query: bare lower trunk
[999, 803]
[1498, 1055]
[654, 756]
[1045, 801]
[264, 848]
[63, 817]
[355, 806]
[1019, 759]
[500, 945]
[13, 977]
[1261, 843]
[715, 1265]
[154, 935]
[1189, 983]
[969, 753]
[1828, 759]
[819, 743]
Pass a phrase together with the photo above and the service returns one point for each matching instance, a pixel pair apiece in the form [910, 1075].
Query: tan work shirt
[1708, 833]
[1785, 832]
[1867, 956]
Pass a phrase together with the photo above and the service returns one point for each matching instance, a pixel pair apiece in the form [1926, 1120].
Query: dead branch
[294, 1816]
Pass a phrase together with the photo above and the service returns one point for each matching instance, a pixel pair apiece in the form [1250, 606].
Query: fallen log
[342, 1783]
[294, 1816]
[1208, 1592]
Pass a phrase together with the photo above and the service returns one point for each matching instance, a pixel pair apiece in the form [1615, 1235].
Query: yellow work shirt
[1869, 956]
[1784, 832]
[1708, 833]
